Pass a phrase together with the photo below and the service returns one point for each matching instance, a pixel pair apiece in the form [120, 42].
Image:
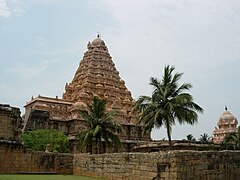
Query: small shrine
[227, 123]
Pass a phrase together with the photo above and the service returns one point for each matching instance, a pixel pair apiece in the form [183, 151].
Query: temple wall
[220, 165]
[15, 159]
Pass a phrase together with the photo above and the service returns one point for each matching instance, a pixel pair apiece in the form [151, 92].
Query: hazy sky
[42, 42]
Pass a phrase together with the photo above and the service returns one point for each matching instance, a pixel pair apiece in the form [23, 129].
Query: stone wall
[10, 122]
[184, 165]
[15, 159]
[220, 165]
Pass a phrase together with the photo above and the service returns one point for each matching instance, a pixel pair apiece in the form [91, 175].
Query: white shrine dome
[227, 118]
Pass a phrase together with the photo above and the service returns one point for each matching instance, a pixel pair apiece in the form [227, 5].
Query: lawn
[44, 177]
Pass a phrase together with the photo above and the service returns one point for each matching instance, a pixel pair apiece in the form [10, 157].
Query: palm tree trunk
[169, 138]
[169, 134]
[98, 144]
[104, 147]
[89, 147]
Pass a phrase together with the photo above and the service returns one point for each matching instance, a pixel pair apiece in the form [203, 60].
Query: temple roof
[227, 118]
[98, 41]
[98, 76]
[44, 99]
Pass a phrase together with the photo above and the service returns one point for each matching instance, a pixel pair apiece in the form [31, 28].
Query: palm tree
[101, 127]
[204, 138]
[232, 140]
[167, 103]
[190, 138]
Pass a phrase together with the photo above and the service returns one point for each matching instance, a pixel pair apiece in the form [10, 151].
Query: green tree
[167, 103]
[100, 126]
[232, 140]
[190, 138]
[204, 138]
[44, 139]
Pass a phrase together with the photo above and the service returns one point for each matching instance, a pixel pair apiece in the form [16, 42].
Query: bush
[46, 140]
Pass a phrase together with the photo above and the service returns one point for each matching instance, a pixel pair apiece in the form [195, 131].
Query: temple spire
[97, 64]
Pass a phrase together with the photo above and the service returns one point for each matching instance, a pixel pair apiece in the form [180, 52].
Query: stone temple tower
[95, 76]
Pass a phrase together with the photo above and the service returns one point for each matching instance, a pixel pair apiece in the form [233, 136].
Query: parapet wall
[220, 165]
[15, 159]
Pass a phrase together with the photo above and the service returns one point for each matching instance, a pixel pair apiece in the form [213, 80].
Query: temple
[227, 123]
[95, 76]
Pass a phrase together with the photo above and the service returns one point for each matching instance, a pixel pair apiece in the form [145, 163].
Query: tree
[232, 140]
[190, 138]
[100, 126]
[44, 139]
[204, 138]
[167, 103]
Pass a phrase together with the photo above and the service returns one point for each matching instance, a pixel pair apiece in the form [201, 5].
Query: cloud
[31, 71]
[26, 72]
[189, 34]
[41, 41]
[11, 8]
[50, 61]
[4, 9]
[18, 11]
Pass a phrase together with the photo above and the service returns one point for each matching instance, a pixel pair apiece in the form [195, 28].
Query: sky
[43, 41]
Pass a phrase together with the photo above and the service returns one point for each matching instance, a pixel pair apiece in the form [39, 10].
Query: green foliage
[232, 140]
[100, 126]
[167, 103]
[204, 138]
[44, 139]
[190, 138]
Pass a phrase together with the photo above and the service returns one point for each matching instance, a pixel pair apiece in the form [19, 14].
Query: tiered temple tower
[95, 76]
[227, 123]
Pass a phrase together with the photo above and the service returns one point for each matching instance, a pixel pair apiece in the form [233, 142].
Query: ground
[45, 177]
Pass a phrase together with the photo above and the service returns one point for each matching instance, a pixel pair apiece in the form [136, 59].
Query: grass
[44, 177]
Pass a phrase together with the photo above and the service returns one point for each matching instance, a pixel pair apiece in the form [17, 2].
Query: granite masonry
[182, 165]
[16, 159]
[10, 122]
